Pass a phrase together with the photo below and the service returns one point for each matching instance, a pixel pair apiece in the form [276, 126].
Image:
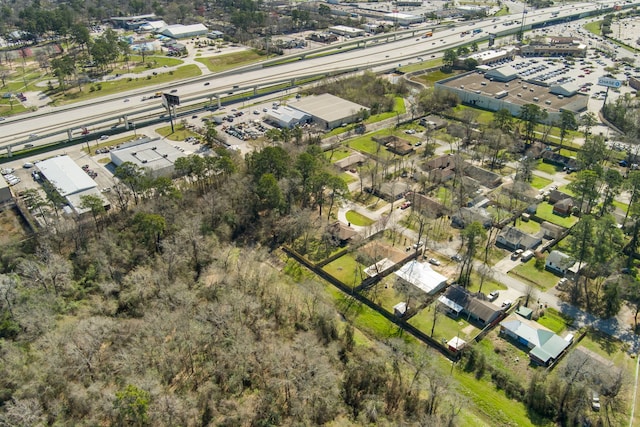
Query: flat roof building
[287, 117]
[403, 19]
[344, 30]
[489, 56]
[70, 181]
[329, 111]
[503, 88]
[558, 46]
[154, 155]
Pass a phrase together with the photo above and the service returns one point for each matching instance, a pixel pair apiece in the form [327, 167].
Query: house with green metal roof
[544, 346]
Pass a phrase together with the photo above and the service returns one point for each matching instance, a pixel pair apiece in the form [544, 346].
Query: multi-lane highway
[53, 123]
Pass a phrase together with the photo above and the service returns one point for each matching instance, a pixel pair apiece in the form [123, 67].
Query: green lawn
[446, 327]
[530, 227]
[548, 168]
[347, 270]
[180, 133]
[545, 211]
[528, 273]
[230, 60]
[430, 78]
[553, 321]
[337, 154]
[421, 65]
[347, 178]
[502, 12]
[539, 182]
[484, 117]
[117, 86]
[594, 27]
[357, 218]
[150, 62]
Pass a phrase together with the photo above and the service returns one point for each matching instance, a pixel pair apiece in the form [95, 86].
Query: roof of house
[517, 237]
[559, 258]
[482, 309]
[458, 298]
[563, 204]
[547, 345]
[341, 231]
[555, 196]
[421, 276]
[351, 160]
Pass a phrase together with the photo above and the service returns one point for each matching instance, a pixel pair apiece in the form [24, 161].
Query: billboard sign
[609, 82]
[170, 100]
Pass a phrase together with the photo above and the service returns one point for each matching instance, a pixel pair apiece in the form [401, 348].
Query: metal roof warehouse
[328, 110]
[155, 155]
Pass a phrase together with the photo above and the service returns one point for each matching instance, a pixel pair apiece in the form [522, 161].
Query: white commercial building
[179, 31]
[286, 117]
[329, 111]
[403, 19]
[70, 181]
[343, 30]
[156, 156]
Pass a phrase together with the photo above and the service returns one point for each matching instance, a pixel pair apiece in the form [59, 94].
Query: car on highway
[173, 90]
[2, 119]
[28, 145]
[126, 100]
[104, 137]
[207, 83]
[33, 136]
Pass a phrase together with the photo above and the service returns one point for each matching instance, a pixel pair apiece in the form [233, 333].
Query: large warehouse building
[287, 117]
[70, 180]
[502, 88]
[329, 111]
[179, 31]
[154, 155]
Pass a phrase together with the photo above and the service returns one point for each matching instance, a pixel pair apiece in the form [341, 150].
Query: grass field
[358, 219]
[150, 63]
[553, 321]
[545, 211]
[180, 133]
[593, 27]
[539, 182]
[430, 78]
[346, 269]
[230, 60]
[528, 273]
[446, 327]
[337, 154]
[530, 227]
[117, 86]
[548, 168]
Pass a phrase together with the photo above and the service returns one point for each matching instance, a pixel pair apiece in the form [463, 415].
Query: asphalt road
[17, 130]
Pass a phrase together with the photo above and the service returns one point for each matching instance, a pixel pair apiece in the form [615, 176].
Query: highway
[51, 123]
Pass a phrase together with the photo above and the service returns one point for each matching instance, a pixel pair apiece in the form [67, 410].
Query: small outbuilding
[456, 344]
[400, 309]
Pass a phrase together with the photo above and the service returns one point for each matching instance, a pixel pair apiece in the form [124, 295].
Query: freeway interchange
[380, 53]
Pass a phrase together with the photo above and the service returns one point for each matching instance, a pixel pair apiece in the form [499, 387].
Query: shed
[400, 309]
[525, 312]
[456, 344]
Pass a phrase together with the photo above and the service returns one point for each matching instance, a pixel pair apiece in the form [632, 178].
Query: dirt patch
[378, 250]
[11, 227]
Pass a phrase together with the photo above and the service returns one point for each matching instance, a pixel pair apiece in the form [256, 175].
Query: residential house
[422, 276]
[545, 346]
[466, 216]
[551, 231]
[563, 207]
[513, 238]
[355, 159]
[555, 196]
[459, 302]
[558, 262]
[426, 205]
[341, 233]
[483, 176]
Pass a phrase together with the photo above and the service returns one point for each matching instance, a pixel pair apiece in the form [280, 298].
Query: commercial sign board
[609, 82]
[170, 100]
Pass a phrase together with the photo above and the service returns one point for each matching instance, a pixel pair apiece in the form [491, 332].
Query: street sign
[609, 82]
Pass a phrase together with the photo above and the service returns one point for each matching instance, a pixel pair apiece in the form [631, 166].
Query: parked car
[516, 254]
[456, 258]
[405, 205]
[434, 261]
[418, 245]
[493, 295]
[28, 165]
[595, 401]
[507, 303]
